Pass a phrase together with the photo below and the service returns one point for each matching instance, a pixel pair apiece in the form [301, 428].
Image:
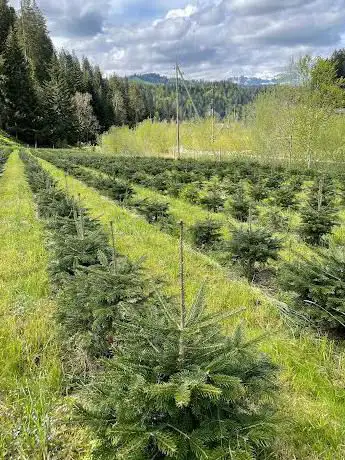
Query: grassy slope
[31, 370]
[6, 140]
[178, 208]
[190, 214]
[312, 370]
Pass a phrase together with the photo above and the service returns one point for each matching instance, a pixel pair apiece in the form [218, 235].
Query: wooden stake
[177, 115]
[66, 185]
[213, 114]
[290, 150]
[320, 195]
[182, 280]
[183, 305]
[113, 243]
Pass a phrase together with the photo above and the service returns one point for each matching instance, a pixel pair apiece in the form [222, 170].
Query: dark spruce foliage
[212, 201]
[206, 234]
[153, 211]
[319, 214]
[178, 388]
[79, 248]
[252, 248]
[319, 286]
[316, 223]
[258, 191]
[96, 298]
[241, 208]
[285, 196]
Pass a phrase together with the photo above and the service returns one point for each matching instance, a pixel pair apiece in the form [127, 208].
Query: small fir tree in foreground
[241, 207]
[319, 215]
[183, 392]
[319, 286]
[252, 248]
[206, 234]
[178, 388]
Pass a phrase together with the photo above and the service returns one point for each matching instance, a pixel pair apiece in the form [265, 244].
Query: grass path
[30, 365]
[192, 213]
[312, 378]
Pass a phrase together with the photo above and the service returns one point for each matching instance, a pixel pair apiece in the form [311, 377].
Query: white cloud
[186, 12]
[211, 39]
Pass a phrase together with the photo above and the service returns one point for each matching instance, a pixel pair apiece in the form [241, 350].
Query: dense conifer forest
[52, 97]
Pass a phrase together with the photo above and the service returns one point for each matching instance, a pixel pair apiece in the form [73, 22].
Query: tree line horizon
[53, 98]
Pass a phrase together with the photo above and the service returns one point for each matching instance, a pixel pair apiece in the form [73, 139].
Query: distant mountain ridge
[253, 81]
[157, 79]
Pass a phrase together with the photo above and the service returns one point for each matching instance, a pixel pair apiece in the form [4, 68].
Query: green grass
[190, 214]
[312, 379]
[31, 409]
[5, 140]
[179, 209]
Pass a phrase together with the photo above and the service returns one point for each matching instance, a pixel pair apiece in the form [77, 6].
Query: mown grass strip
[31, 369]
[193, 213]
[29, 356]
[313, 377]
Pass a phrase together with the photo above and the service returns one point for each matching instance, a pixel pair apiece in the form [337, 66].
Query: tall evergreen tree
[338, 58]
[7, 20]
[57, 107]
[136, 103]
[70, 68]
[18, 95]
[34, 38]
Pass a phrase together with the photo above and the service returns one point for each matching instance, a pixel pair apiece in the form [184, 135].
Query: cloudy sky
[210, 39]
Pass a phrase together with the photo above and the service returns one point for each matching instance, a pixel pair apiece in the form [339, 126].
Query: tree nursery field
[154, 308]
[172, 252]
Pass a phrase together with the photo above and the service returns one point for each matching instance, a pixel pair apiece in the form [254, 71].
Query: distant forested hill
[226, 98]
[152, 78]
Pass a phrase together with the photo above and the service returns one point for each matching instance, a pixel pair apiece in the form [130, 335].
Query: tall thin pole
[183, 304]
[213, 113]
[182, 280]
[177, 114]
[188, 92]
[113, 244]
